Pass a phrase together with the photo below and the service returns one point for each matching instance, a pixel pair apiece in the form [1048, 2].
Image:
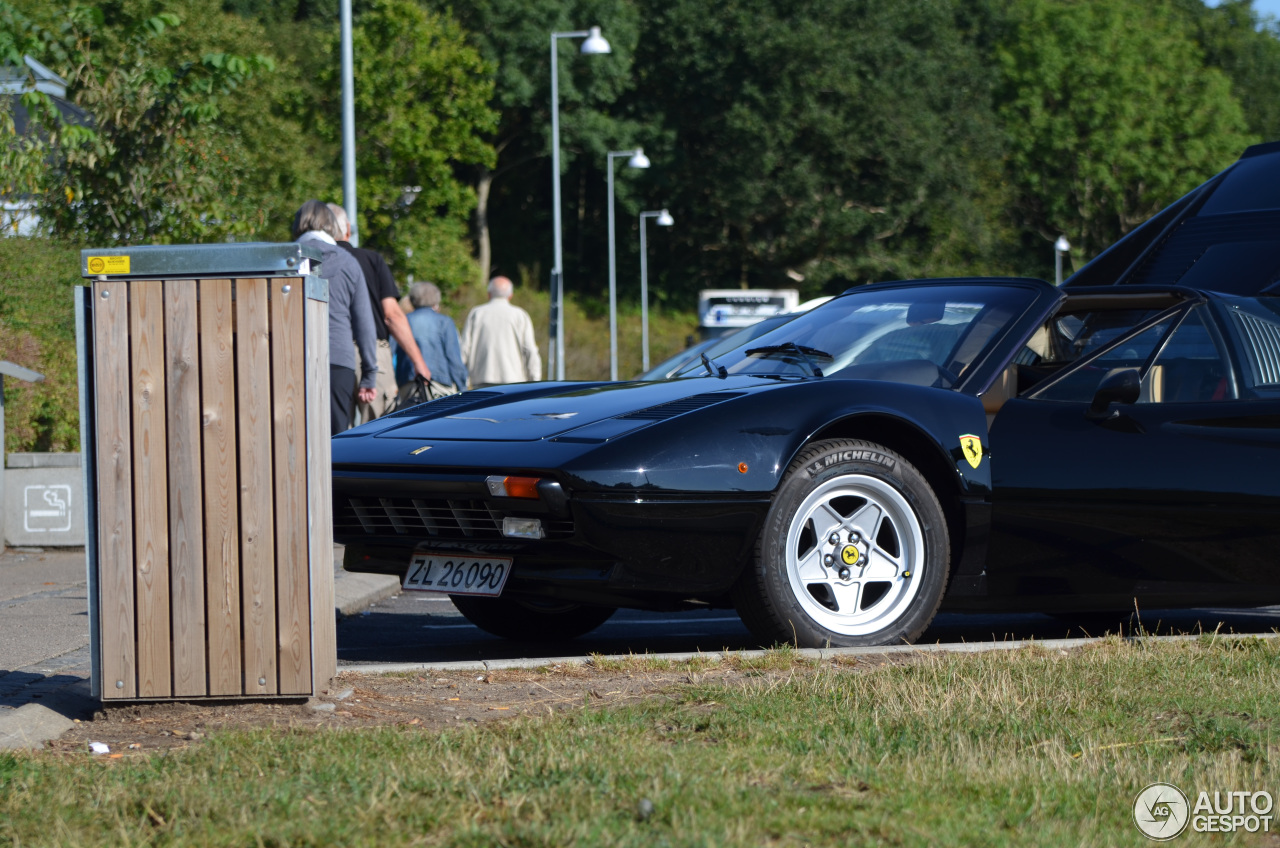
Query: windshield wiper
[713, 369]
[792, 347]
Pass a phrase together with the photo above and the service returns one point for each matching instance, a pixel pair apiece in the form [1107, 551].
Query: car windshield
[729, 341]
[924, 335]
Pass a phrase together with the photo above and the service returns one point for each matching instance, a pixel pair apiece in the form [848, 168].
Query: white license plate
[457, 575]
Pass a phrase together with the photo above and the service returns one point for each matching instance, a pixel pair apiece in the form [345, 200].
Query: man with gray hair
[388, 319]
[437, 338]
[350, 318]
[497, 341]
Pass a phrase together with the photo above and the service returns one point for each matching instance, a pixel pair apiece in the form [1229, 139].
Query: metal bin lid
[250, 259]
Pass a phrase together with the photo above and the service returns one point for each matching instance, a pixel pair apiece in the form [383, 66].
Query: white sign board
[720, 308]
[44, 500]
[46, 509]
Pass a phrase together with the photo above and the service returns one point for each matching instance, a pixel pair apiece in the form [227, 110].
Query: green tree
[191, 136]
[422, 112]
[514, 192]
[1236, 40]
[31, 126]
[157, 166]
[284, 11]
[283, 158]
[1110, 114]
[818, 143]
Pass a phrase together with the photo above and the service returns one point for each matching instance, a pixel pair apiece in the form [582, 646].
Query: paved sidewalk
[44, 637]
[44, 624]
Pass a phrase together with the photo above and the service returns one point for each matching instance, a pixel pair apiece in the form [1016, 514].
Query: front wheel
[854, 552]
[531, 621]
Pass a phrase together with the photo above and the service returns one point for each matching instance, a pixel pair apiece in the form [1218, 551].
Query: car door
[1171, 499]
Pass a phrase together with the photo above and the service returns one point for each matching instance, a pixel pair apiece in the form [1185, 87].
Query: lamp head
[1062, 245]
[595, 43]
[665, 219]
[638, 159]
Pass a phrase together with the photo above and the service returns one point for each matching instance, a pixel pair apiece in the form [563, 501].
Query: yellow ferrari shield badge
[972, 446]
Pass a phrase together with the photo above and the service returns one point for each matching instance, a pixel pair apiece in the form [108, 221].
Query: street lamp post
[637, 160]
[664, 220]
[593, 45]
[1060, 249]
[348, 123]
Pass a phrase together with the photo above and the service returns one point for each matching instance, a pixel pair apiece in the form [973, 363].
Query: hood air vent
[436, 408]
[679, 407]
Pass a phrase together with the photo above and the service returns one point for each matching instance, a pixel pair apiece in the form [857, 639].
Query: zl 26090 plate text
[457, 575]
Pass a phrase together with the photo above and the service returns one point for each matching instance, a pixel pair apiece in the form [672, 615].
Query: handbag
[414, 392]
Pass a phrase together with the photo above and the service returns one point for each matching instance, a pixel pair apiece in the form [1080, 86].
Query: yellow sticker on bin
[108, 264]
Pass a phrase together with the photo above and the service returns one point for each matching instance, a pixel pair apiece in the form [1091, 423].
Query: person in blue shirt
[437, 338]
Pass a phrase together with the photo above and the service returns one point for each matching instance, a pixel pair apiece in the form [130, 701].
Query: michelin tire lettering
[839, 457]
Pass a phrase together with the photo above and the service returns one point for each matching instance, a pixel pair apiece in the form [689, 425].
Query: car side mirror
[1118, 387]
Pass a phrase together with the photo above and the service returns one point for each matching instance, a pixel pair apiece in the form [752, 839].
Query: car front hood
[599, 411]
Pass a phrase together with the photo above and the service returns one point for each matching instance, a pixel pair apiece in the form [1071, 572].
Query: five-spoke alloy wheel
[854, 551]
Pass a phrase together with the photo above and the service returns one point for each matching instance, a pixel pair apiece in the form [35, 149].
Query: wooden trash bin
[204, 409]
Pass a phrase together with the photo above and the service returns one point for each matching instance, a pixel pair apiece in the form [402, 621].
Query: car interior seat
[1003, 389]
[1193, 380]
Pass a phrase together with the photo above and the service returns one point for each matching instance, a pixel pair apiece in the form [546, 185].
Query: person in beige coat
[497, 340]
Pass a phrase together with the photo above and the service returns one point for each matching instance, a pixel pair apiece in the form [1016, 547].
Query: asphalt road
[421, 627]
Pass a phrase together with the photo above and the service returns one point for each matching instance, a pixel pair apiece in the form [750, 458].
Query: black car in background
[974, 443]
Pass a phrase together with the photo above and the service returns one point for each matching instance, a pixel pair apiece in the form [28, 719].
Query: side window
[1079, 385]
[1256, 322]
[1186, 366]
[1191, 367]
[1070, 336]
[1073, 335]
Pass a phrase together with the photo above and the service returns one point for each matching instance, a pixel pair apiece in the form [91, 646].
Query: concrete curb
[32, 725]
[807, 653]
[353, 592]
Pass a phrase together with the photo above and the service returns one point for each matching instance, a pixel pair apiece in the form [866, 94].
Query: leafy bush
[38, 331]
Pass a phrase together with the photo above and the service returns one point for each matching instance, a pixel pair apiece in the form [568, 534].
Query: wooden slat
[151, 487]
[221, 487]
[289, 393]
[320, 495]
[186, 501]
[115, 489]
[257, 548]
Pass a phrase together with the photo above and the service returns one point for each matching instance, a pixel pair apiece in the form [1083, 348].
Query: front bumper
[653, 552]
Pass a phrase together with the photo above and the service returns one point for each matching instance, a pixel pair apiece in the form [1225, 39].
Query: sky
[1268, 7]
[1264, 7]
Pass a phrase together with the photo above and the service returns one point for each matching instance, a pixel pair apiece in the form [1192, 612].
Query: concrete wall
[44, 500]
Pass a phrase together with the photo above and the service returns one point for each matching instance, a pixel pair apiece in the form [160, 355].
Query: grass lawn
[1034, 747]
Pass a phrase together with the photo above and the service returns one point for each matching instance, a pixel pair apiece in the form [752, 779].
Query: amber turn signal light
[521, 487]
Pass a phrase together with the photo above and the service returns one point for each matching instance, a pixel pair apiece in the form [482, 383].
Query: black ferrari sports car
[974, 443]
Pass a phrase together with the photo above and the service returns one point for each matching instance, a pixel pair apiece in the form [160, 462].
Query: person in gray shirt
[350, 316]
